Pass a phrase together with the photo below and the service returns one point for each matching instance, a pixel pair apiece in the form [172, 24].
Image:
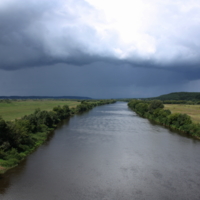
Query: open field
[17, 109]
[192, 110]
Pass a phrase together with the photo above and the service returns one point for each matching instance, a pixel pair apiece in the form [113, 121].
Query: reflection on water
[108, 153]
[5, 183]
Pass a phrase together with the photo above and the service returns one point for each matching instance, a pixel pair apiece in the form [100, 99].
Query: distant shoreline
[44, 97]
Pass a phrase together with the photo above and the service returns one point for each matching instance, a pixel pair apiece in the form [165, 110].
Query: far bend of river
[108, 153]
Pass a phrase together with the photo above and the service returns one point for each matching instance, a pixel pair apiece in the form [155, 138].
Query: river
[108, 153]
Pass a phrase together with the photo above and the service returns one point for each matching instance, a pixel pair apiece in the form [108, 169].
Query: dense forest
[187, 96]
[154, 110]
[20, 137]
[173, 98]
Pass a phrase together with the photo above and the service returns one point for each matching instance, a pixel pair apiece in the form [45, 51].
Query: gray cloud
[37, 33]
[94, 55]
[94, 80]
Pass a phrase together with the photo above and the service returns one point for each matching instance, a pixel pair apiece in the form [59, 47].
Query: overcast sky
[99, 48]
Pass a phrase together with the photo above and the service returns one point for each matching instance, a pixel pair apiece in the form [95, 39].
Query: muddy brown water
[108, 153]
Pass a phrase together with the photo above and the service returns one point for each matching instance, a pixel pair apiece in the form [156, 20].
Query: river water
[108, 153]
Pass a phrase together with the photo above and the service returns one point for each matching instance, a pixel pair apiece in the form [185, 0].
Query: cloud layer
[145, 33]
[149, 46]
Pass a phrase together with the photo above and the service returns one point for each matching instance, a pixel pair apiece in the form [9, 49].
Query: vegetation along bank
[154, 110]
[20, 137]
[17, 108]
[192, 110]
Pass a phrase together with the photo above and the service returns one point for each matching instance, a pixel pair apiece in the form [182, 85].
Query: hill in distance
[180, 96]
[43, 97]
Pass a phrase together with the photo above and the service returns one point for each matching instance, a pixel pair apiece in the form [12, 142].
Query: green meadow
[192, 110]
[17, 109]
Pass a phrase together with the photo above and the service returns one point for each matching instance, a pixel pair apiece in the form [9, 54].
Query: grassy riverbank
[20, 137]
[155, 111]
[17, 109]
[192, 110]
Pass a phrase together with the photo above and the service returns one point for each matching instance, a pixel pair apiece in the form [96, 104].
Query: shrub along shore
[21, 137]
[154, 110]
[15, 109]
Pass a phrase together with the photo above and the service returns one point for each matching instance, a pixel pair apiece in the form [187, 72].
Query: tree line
[191, 102]
[187, 102]
[154, 110]
[188, 96]
[20, 137]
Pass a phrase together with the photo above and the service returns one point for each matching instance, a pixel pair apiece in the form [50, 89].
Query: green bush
[142, 108]
[155, 104]
[154, 110]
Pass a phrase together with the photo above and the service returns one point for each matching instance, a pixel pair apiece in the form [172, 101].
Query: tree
[141, 108]
[132, 104]
[177, 120]
[3, 130]
[155, 104]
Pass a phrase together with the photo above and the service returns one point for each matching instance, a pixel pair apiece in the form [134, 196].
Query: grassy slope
[17, 109]
[192, 110]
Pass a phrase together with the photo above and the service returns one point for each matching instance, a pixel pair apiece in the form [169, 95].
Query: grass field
[192, 110]
[17, 109]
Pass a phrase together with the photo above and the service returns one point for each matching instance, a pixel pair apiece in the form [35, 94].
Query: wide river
[108, 153]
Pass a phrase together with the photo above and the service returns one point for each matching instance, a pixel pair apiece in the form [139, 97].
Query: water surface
[108, 153]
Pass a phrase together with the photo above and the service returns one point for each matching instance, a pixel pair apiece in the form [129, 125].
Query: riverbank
[108, 153]
[154, 110]
[15, 109]
[21, 137]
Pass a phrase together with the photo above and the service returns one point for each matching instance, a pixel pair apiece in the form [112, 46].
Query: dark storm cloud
[28, 35]
[37, 33]
[18, 46]
[97, 81]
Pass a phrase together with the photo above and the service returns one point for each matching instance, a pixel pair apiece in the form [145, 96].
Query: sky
[99, 48]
